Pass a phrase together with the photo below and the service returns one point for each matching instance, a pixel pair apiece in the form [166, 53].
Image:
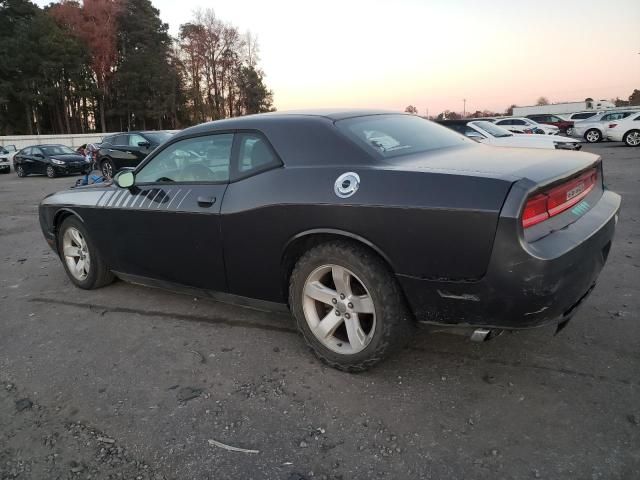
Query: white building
[563, 108]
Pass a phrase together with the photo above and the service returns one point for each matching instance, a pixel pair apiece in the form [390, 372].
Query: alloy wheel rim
[76, 253]
[633, 139]
[50, 171]
[339, 309]
[107, 171]
[20, 171]
[593, 136]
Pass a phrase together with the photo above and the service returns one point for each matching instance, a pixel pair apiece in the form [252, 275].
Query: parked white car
[626, 130]
[579, 116]
[6, 158]
[594, 129]
[491, 134]
[520, 124]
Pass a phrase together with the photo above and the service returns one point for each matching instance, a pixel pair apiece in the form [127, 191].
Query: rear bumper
[526, 284]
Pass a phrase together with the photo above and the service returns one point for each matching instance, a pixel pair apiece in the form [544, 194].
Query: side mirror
[144, 144]
[125, 179]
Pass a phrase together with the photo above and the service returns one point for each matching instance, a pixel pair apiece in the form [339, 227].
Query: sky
[434, 53]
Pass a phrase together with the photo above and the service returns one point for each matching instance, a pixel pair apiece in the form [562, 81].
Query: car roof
[261, 120]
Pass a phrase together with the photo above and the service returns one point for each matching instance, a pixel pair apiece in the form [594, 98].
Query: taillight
[612, 125]
[535, 211]
[556, 200]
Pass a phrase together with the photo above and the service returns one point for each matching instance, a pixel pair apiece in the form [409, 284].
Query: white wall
[74, 141]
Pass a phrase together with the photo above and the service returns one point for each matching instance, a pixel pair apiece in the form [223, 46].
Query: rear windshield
[395, 135]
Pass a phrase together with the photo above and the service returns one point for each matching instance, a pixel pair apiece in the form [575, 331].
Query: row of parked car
[592, 127]
[113, 153]
[128, 149]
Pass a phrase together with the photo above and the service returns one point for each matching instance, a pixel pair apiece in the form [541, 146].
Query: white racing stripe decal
[186, 195]
[168, 193]
[173, 198]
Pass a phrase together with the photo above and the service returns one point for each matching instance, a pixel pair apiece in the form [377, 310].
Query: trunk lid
[542, 167]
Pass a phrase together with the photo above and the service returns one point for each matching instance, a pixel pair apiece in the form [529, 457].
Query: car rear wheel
[107, 169]
[632, 138]
[20, 171]
[593, 135]
[348, 306]
[51, 173]
[82, 261]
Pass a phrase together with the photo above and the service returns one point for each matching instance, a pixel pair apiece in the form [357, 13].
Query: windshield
[394, 134]
[56, 150]
[492, 129]
[158, 137]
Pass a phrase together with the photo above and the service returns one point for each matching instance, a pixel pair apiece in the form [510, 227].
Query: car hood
[538, 165]
[70, 157]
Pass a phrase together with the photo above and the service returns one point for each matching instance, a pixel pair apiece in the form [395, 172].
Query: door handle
[206, 201]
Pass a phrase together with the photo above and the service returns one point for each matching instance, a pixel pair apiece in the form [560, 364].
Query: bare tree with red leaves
[95, 22]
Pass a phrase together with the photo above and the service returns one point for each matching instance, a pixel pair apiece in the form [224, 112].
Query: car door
[167, 226]
[39, 164]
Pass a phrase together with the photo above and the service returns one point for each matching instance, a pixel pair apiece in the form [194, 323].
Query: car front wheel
[593, 136]
[107, 169]
[51, 172]
[348, 306]
[20, 171]
[632, 138]
[82, 261]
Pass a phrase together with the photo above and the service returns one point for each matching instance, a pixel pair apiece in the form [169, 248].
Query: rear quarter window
[395, 135]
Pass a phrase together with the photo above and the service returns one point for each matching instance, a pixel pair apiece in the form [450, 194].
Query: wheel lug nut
[342, 296]
[350, 305]
[334, 301]
[338, 313]
[347, 316]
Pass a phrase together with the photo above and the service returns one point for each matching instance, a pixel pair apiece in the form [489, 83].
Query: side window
[472, 133]
[120, 141]
[26, 151]
[36, 151]
[607, 117]
[199, 159]
[135, 139]
[518, 122]
[254, 154]
[505, 122]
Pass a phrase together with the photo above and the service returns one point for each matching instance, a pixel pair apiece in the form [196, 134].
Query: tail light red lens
[535, 211]
[612, 125]
[558, 199]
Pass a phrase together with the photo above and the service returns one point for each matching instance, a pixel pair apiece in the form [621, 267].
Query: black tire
[628, 138]
[20, 171]
[51, 172]
[99, 274]
[593, 135]
[394, 321]
[107, 168]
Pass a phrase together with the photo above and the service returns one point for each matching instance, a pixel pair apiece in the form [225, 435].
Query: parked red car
[549, 119]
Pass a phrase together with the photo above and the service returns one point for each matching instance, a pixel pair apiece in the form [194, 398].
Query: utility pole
[464, 107]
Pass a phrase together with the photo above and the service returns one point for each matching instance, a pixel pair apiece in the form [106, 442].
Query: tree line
[111, 65]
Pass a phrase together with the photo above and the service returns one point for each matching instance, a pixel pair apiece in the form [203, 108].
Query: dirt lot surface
[132, 382]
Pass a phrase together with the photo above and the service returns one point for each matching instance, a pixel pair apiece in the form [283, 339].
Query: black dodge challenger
[363, 223]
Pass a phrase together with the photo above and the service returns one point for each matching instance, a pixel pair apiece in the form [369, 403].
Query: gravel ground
[132, 382]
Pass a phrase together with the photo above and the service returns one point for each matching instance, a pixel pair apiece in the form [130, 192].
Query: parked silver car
[594, 129]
